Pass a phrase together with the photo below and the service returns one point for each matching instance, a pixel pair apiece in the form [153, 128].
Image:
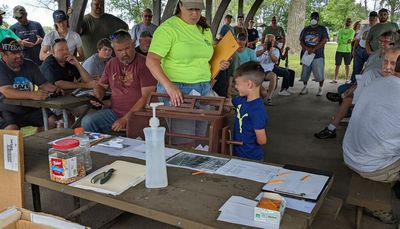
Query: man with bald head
[98, 25]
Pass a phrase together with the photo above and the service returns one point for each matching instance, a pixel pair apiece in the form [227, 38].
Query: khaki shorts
[388, 174]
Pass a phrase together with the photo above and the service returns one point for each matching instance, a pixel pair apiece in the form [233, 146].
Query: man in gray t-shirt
[372, 42]
[145, 25]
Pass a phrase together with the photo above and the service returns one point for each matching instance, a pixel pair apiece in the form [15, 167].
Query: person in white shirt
[371, 145]
[268, 56]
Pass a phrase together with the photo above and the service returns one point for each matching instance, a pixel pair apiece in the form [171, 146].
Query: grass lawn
[330, 49]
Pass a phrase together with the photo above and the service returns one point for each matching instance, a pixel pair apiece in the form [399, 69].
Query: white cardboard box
[267, 215]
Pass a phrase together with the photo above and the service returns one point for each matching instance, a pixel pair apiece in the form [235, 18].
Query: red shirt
[126, 81]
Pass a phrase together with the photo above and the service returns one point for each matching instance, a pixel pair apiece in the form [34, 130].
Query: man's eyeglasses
[118, 33]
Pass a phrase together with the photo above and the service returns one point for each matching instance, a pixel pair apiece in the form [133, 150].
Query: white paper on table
[197, 162]
[169, 152]
[307, 58]
[54, 222]
[248, 170]
[128, 145]
[240, 210]
[294, 183]
[295, 204]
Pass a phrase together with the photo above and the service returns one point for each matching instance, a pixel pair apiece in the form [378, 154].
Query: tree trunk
[297, 11]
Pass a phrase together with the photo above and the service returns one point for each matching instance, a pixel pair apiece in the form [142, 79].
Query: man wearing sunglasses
[18, 79]
[145, 25]
[130, 82]
[97, 25]
[30, 32]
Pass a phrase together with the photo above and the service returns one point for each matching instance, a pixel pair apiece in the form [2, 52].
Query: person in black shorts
[18, 79]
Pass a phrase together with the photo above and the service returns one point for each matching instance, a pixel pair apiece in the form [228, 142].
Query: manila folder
[224, 50]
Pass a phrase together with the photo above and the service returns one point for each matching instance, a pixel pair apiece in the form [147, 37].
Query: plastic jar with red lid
[66, 161]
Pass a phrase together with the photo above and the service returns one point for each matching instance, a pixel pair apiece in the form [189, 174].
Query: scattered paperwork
[197, 162]
[248, 170]
[240, 210]
[126, 175]
[297, 184]
[296, 204]
[140, 152]
[110, 147]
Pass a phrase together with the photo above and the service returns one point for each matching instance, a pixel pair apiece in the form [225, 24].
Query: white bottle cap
[154, 121]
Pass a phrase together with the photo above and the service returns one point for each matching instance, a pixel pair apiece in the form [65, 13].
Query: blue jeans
[317, 67]
[284, 73]
[189, 127]
[99, 121]
[361, 56]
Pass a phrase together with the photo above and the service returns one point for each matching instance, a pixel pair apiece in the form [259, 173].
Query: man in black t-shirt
[30, 32]
[144, 43]
[63, 69]
[252, 36]
[18, 77]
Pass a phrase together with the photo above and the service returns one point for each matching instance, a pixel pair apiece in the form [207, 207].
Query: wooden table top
[188, 201]
[60, 102]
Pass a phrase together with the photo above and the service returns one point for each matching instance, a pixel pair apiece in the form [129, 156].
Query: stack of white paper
[248, 170]
[240, 210]
[126, 175]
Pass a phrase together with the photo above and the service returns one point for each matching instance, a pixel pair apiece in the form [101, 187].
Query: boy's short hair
[252, 71]
[103, 42]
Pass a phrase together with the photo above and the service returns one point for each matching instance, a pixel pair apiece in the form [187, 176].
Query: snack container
[66, 161]
[270, 208]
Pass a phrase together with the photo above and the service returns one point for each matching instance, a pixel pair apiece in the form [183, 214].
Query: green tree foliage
[6, 9]
[335, 13]
[394, 8]
[129, 10]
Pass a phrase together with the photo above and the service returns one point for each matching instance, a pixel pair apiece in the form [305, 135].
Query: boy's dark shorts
[342, 55]
[33, 117]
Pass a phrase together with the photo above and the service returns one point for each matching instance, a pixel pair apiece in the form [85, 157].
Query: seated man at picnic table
[130, 82]
[18, 77]
[64, 70]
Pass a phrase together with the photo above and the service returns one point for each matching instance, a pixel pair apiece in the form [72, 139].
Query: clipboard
[224, 50]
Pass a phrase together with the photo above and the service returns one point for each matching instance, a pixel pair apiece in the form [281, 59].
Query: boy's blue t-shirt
[249, 116]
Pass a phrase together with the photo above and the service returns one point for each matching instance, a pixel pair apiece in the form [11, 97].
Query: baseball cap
[59, 16]
[193, 4]
[314, 14]
[10, 44]
[228, 16]
[18, 11]
[383, 10]
[2, 12]
[373, 14]
[145, 34]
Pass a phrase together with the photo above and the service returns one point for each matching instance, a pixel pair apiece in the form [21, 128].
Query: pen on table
[305, 177]
[282, 174]
[198, 173]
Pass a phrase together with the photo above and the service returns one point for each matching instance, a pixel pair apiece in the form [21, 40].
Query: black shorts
[342, 55]
[33, 117]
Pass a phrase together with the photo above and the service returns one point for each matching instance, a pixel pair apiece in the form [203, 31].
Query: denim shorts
[317, 66]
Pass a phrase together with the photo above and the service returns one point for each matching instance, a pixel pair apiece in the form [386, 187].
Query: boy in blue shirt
[250, 114]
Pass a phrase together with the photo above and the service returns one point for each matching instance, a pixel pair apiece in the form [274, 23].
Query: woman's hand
[223, 65]
[175, 94]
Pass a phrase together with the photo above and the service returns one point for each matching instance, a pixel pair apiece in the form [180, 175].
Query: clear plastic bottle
[156, 168]
[85, 145]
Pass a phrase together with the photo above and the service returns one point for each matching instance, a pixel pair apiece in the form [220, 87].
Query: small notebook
[224, 50]
[126, 175]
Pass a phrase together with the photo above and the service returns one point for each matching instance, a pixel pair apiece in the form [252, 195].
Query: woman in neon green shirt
[180, 52]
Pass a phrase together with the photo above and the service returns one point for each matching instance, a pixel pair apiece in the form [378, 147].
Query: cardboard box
[19, 218]
[269, 216]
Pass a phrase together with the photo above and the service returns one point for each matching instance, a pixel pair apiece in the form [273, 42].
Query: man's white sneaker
[319, 92]
[284, 93]
[290, 91]
[304, 91]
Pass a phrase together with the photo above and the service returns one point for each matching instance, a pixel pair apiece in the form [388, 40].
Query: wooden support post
[209, 11]
[218, 16]
[253, 10]
[169, 9]
[240, 7]
[78, 9]
[157, 12]
[63, 5]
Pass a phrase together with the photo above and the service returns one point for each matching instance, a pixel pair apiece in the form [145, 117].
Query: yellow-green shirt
[185, 51]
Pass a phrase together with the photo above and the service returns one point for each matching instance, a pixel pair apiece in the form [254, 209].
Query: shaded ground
[293, 121]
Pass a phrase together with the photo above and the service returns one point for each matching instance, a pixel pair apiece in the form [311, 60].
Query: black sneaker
[333, 97]
[268, 102]
[326, 133]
